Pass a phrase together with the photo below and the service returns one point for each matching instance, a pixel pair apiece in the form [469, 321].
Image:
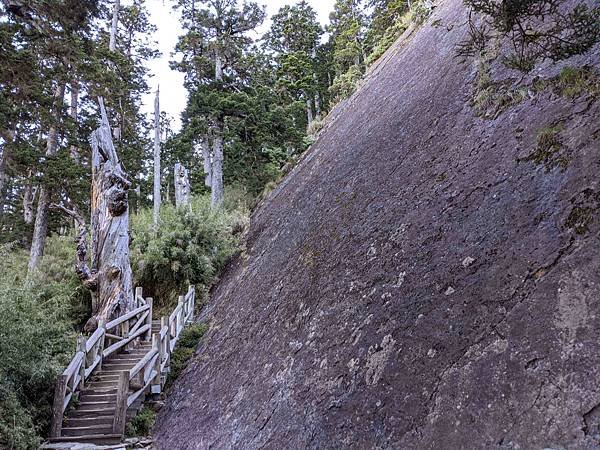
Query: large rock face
[424, 278]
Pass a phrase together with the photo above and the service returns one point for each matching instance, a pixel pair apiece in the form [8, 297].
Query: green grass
[142, 423]
[186, 345]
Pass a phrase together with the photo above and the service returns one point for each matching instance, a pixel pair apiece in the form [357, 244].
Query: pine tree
[294, 38]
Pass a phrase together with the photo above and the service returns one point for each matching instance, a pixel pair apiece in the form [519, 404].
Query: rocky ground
[427, 276]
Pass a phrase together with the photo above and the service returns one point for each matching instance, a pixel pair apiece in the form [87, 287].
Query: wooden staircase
[111, 382]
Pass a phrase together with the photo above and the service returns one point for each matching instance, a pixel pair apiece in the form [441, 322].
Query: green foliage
[189, 247]
[142, 423]
[537, 29]
[36, 343]
[186, 345]
[549, 148]
[573, 82]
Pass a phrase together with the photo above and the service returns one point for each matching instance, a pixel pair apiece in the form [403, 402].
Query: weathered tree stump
[110, 276]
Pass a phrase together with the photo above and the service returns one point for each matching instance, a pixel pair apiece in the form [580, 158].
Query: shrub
[537, 29]
[186, 346]
[141, 424]
[36, 343]
[189, 247]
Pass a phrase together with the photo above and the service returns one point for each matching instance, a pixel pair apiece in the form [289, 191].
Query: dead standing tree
[109, 278]
[182, 186]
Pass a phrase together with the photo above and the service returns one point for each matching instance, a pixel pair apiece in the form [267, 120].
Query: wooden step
[87, 430]
[94, 390]
[88, 420]
[89, 397]
[100, 411]
[98, 439]
[93, 406]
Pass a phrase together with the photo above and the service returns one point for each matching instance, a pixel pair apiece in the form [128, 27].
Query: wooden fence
[149, 374]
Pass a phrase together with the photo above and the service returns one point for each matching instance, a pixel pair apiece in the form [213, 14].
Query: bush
[36, 342]
[141, 424]
[186, 345]
[189, 247]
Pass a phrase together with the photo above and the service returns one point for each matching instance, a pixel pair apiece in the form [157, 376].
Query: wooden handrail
[152, 368]
[119, 320]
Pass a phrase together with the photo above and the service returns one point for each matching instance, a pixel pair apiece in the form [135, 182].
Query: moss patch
[549, 149]
[580, 219]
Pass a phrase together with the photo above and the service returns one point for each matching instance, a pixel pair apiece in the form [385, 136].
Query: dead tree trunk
[110, 276]
[40, 229]
[182, 187]
[28, 199]
[112, 45]
[156, 192]
[207, 160]
[216, 197]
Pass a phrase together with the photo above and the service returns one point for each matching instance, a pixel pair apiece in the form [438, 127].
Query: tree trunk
[73, 111]
[40, 229]
[218, 66]
[110, 277]
[156, 192]
[216, 198]
[28, 200]
[112, 45]
[309, 111]
[207, 159]
[182, 187]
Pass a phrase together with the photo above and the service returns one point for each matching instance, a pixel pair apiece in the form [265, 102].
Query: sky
[172, 93]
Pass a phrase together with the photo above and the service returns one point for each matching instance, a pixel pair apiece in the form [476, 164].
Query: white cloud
[173, 95]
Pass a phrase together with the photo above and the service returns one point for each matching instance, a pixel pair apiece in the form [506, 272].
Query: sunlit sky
[172, 92]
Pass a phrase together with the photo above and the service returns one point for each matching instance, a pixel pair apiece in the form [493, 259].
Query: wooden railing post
[180, 315]
[101, 324]
[156, 385]
[149, 301]
[192, 302]
[125, 332]
[57, 409]
[81, 348]
[139, 294]
[121, 407]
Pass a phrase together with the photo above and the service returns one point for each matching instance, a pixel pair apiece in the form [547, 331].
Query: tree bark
[156, 192]
[73, 111]
[40, 229]
[111, 271]
[112, 45]
[218, 65]
[182, 187]
[216, 198]
[309, 111]
[207, 160]
[28, 200]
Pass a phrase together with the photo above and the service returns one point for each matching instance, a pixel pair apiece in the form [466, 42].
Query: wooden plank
[92, 366]
[58, 409]
[139, 322]
[133, 397]
[122, 403]
[142, 362]
[94, 338]
[119, 320]
[73, 365]
[113, 348]
[114, 337]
